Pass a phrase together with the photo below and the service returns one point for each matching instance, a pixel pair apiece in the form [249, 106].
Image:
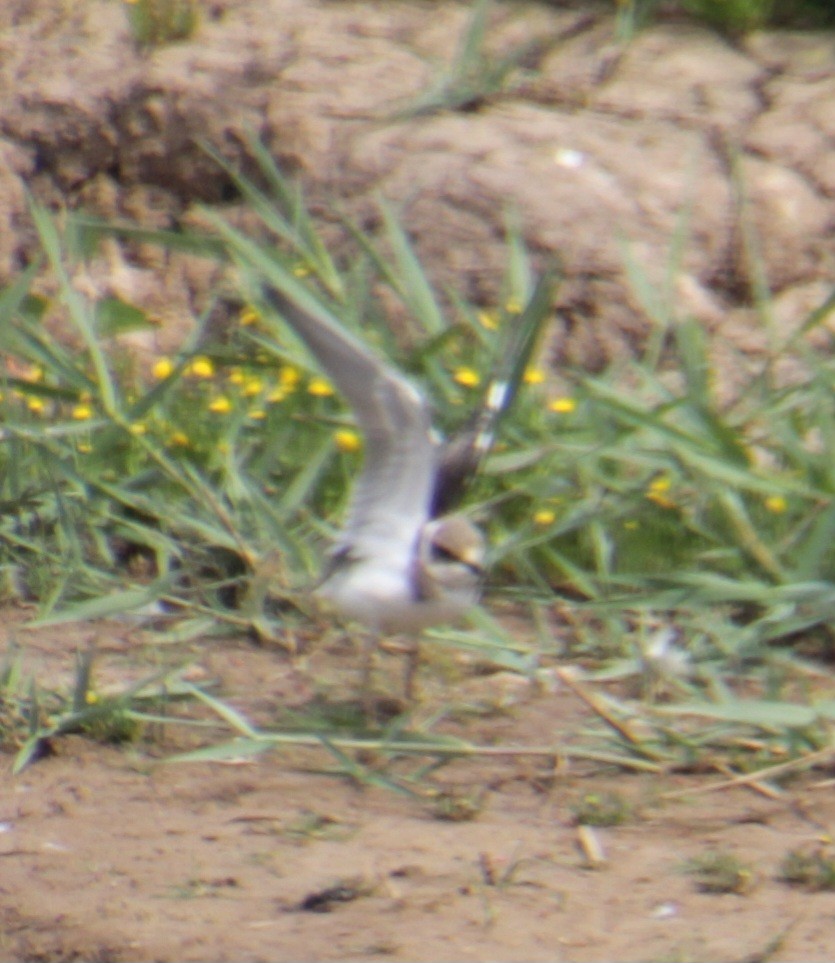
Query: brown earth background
[604, 151]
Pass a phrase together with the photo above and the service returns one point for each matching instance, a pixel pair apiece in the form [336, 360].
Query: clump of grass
[459, 806]
[32, 717]
[719, 871]
[813, 870]
[477, 73]
[729, 16]
[157, 22]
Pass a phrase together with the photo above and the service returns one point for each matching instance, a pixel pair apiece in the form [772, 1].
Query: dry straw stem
[568, 677]
[819, 757]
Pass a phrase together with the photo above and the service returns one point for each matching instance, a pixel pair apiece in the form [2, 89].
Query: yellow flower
[543, 517]
[320, 388]
[289, 377]
[236, 376]
[84, 447]
[562, 406]
[220, 405]
[33, 373]
[138, 428]
[200, 367]
[468, 377]
[248, 316]
[178, 439]
[347, 440]
[37, 405]
[513, 306]
[252, 386]
[776, 504]
[162, 368]
[257, 414]
[488, 319]
[657, 491]
[276, 395]
[533, 376]
[82, 412]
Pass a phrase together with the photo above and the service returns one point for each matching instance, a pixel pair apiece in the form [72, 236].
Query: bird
[403, 561]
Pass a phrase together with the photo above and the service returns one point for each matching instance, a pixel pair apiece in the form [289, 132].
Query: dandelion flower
[277, 395]
[468, 377]
[200, 367]
[84, 447]
[236, 376]
[543, 517]
[257, 414]
[776, 504]
[138, 428]
[289, 377]
[252, 386]
[36, 405]
[562, 406]
[220, 405]
[488, 320]
[347, 440]
[179, 439]
[658, 489]
[320, 388]
[162, 368]
[533, 376]
[248, 316]
[82, 412]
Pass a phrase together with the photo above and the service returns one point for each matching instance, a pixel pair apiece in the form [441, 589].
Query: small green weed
[718, 871]
[459, 806]
[157, 22]
[602, 809]
[813, 870]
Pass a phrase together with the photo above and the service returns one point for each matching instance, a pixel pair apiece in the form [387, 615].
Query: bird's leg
[410, 670]
[370, 647]
[409, 649]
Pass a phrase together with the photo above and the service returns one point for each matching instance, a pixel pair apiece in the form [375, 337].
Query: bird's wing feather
[460, 458]
[391, 499]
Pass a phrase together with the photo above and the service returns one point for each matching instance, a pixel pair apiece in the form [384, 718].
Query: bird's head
[451, 554]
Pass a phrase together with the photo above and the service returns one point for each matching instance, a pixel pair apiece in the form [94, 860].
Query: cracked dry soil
[106, 854]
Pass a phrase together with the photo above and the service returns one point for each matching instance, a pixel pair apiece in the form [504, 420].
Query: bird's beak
[473, 559]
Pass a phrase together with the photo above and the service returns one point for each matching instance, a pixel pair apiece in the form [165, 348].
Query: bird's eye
[440, 553]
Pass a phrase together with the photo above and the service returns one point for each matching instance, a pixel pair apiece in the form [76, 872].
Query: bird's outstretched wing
[462, 454]
[390, 501]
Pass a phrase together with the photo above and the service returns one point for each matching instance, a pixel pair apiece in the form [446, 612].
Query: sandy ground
[112, 853]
